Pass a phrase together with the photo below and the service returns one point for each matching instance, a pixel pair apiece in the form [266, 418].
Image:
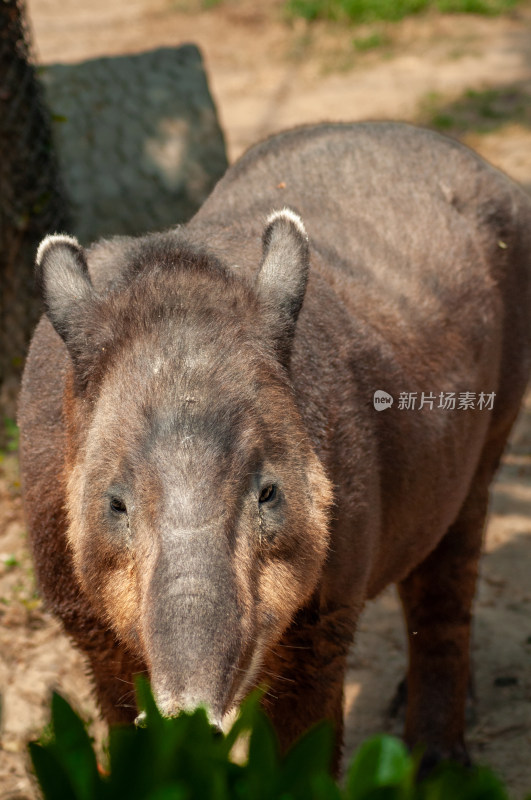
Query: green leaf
[460, 783]
[309, 757]
[53, 780]
[182, 750]
[262, 770]
[173, 791]
[146, 702]
[73, 749]
[249, 710]
[391, 793]
[130, 763]
[382, 761]
[323, 787]
[263, 747]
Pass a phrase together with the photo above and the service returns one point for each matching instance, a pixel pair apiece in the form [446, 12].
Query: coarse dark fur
[211, 494]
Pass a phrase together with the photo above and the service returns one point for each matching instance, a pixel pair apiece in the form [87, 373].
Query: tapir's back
[416, 234]
[389, 204]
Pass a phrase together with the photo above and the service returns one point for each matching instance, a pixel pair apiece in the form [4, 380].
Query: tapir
[236, 431]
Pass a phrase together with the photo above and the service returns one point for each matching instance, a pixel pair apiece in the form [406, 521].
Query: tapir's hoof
[433, 756]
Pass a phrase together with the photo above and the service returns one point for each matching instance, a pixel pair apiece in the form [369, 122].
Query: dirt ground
[469, 76]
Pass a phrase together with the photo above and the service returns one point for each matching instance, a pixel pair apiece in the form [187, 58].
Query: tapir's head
[197, 506]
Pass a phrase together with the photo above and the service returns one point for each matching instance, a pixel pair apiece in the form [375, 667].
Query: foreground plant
[184, 758]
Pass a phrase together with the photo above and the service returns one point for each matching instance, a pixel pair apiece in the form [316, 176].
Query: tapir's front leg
[305, 674]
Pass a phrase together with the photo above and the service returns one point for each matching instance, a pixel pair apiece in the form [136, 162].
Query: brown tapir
[212, 487]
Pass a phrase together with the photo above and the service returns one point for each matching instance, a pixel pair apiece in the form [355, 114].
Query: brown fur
[184, 380]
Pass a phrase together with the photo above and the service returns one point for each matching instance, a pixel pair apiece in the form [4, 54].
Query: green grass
[11, 435]
[370, 42]
[476, 111]
[486, 7]
[194, 6]
[360, 11]
[11, 561]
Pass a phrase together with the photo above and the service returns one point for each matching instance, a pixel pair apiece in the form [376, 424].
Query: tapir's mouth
[220, 725]
[223, 726]
[221, 718]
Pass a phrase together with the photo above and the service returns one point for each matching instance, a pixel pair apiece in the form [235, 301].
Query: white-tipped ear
[283, 275]
[51, 241]
[62, 274]
[288, 214]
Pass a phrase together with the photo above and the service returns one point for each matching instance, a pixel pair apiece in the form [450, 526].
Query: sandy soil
[267, 74]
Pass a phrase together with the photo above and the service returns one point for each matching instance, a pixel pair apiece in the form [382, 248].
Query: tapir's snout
[192, 626]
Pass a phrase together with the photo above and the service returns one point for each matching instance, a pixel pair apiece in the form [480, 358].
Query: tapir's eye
[268, 493]
[117, 505]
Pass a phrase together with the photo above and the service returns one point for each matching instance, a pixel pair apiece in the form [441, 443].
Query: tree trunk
[32, 198]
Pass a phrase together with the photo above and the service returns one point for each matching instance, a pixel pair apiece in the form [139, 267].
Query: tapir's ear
[283, 275]
[63, 277]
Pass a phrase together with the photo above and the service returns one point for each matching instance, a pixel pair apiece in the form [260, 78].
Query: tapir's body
[419, 282]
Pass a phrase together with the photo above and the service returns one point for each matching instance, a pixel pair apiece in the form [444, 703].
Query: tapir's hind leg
[437, 600]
